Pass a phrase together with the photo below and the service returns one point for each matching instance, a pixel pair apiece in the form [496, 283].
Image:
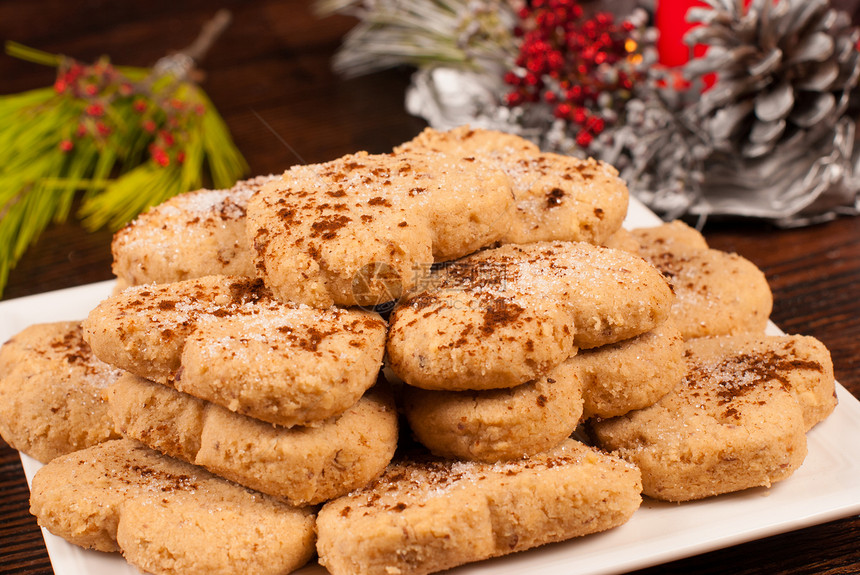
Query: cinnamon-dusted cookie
[717, 293]
[167, 516]
[191, 235]
[506, 316]
[557, 197]
[424, 516]
[737, 420]
[497, 424]
[673, 237]
[353, 231]
[227, 340]
[305, 465]
[466, 141]
[51, 389]
[623, 239]
[630, 374]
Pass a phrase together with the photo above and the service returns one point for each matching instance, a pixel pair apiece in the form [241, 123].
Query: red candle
[671, 21]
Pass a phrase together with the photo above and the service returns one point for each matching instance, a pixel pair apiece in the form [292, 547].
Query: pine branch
[126, 138]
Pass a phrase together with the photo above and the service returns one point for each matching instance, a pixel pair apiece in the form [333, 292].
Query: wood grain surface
[270, 77]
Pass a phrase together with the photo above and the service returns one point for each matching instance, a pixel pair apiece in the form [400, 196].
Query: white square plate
[826, 487]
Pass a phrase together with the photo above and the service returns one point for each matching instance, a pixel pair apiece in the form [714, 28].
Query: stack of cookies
[270, 395]
[739, 415]
[241, 359]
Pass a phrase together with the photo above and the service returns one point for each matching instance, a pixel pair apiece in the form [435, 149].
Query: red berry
[562, 111]
[514, 99]
[584, 139]
[166, 137]
[159, 156]
[96, 110]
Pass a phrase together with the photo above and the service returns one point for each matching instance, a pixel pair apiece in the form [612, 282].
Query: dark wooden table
[273, 64]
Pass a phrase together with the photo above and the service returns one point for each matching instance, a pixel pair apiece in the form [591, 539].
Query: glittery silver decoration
[775, 138]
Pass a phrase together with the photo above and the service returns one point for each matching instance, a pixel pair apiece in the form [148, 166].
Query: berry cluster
[92, 87]
[110, 102]
[575, 63]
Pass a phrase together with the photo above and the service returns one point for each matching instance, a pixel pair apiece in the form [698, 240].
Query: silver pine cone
[785, 73]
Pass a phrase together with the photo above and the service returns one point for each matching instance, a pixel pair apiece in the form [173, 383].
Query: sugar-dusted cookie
[424, 516]
[508, 315]
[227, 340]
[167, 516]
[630, 374]
[305, 465]
[497, 424]
[737, 420]
[717, 293]
[557, 197]
[191, 235]
[357, 229]
[51, 388]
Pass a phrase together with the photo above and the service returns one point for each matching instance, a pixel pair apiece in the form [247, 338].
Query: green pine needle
[124, 138]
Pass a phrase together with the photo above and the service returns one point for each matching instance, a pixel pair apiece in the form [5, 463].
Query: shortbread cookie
[506, 316]
[166, 516]
[497, 424]
[717, 293]
[305, 465]
[51, 388]
[424, 516]
[227, 340]
[354, 231]
[557, 197]
[737, 420]
[630, 374]
[191, 235]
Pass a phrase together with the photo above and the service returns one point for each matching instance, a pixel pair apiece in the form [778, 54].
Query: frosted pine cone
[785, 69]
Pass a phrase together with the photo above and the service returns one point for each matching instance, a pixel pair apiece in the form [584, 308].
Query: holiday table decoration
[127, 138]
[707, 107]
